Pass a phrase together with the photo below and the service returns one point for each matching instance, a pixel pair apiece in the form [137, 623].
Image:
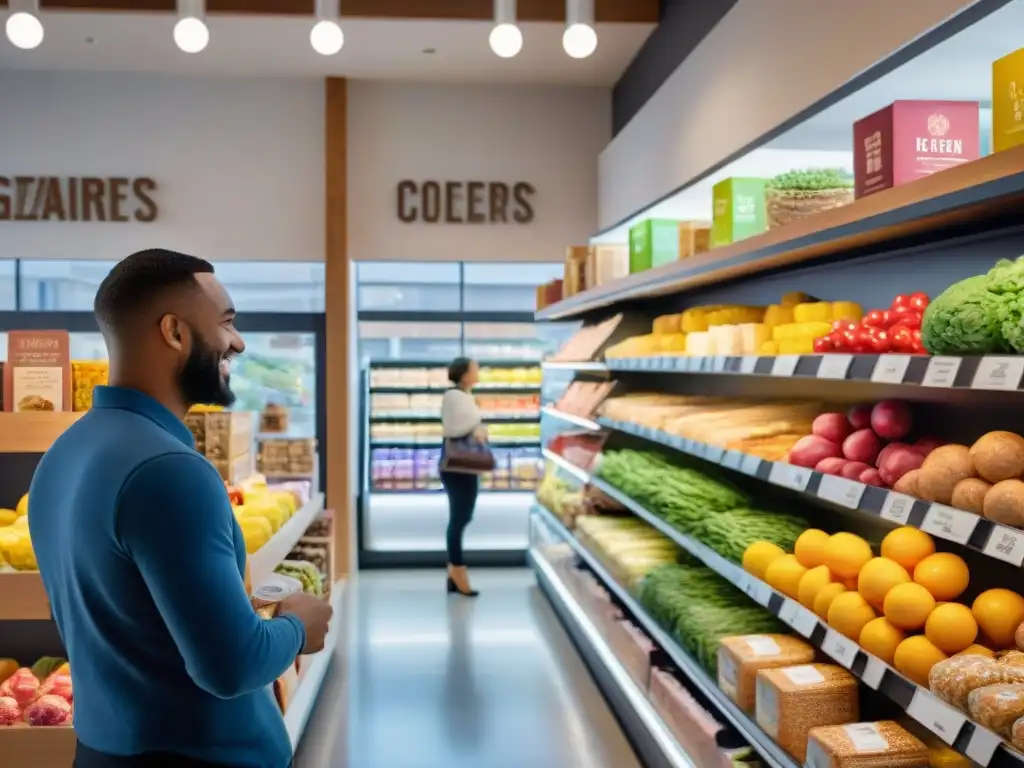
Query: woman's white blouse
[459, 413]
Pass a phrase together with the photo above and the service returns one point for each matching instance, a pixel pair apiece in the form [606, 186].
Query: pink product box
[633, 648]
[911, 139]
[689, 722]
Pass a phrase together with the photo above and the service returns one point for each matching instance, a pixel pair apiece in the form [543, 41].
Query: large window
[7, 290]
[505, 287]
[408, 287]
[409, 341]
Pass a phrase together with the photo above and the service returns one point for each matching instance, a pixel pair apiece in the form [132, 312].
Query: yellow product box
[1008, 101]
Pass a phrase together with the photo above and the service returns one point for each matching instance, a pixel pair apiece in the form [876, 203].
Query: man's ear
[171, 331]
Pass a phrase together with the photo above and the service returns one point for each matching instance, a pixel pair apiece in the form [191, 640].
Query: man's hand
[314, 614]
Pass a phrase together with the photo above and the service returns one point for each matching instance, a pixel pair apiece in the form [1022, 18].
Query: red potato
[832, 426]
[833, 465]
[863, 445]
[926, 445]
[859, 416]
[854, 469]
[871, 476]
[811, 449]
[888, 449]
[891, 419]
[898, 462]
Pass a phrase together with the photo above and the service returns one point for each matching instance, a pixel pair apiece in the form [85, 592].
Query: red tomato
[863, 339]
[919, 301]
[903, 300]
[887, 318]
[902, 339]
[880, 342]
[911, 319]
[875, 318]
[843, 325]
[823, 345]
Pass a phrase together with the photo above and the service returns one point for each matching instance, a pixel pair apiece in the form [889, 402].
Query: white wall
[239, 162]
[762, 64]
[547, 136]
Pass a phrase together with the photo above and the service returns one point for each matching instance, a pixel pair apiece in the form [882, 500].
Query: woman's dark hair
[458, 368]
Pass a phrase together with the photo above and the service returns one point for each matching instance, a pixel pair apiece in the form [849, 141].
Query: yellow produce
[810, 548]
[256, 531]
[287, 500]
[784, 575]
[943, 574]
[22, 508]
[673, 342]
[877, 577]
[7, 517]
[908, 606]
[803, 345]
[809, 312]
[7, 668]
[793, 298]
[695, 319]
[999, 612]
[907, 546]
[770, 348]
[776, 314]
[811, 583]
[266, 508]
[667, 324]
[801, 330]
[17, 550]
[849, 613]
[847, 310]
[823, 600]
[915, 658]
[951, 628]
[977, 650]
[759, 555]
[846, 554]
[880, 638]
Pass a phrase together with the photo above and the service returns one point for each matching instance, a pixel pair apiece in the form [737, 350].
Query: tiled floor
[431, 681]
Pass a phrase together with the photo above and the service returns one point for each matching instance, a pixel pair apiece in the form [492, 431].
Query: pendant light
[23, 27]
[505, 39]
[326, 36]
[579, 39]
[191, 34]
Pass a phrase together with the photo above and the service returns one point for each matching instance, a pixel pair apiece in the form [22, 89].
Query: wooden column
[337, 305]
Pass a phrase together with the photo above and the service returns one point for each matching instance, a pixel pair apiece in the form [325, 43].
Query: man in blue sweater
[140, 553]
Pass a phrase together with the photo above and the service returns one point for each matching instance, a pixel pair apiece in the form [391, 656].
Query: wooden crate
[27, 747]
[236, 470]
[222, 435]
[286, 457]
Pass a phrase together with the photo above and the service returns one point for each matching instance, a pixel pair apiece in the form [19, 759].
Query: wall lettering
[465, 202]
[77, 198]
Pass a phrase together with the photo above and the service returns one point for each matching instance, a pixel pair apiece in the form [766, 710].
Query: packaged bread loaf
[790, 701]
[997, 707]
[885, 744]
[953, 679]
[741, 657]
[1017, 733]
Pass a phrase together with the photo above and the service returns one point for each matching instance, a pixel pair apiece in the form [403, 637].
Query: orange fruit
[877, 577]
[881, 638]
[951, 627]
[759, 555]
[915, 658]
[943, 574]
[823, 600]
[977, 650]
[784, 575]
[999, 612]
[907, 546]
[811, 583]
[846, 554]
[810, 548]
[907, 606]
[849, 613]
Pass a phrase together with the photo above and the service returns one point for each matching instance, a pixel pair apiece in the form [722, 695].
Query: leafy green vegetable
[1004, 301]
[963, 320]
[812, 180]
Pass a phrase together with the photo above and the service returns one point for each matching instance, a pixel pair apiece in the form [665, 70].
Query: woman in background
[460, 418]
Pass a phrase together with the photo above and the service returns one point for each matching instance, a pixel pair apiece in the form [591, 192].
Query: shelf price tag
[840, 648]
[941, 372]
[948, 523]
[750, 464]
[798, 617]
[785, 365]
[714, 453]
[755, 589]
[839, 490]
[718, 364]
[1006, 544]
[1003, 373]
[937, 716]
[890, 369]
[874, 671]
[732, 460]
[790, 476]
[983, 745]
[897, 507]
[834, 366]
[747, 364]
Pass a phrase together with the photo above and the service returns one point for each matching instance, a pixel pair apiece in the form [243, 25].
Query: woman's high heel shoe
[458, 582]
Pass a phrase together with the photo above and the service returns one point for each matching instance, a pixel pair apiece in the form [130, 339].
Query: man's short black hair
[458, 369]
[139, 279]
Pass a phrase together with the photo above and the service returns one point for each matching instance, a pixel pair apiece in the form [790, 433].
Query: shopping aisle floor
[432, 681]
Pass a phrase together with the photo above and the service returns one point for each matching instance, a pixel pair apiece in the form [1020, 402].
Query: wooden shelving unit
[33, 432]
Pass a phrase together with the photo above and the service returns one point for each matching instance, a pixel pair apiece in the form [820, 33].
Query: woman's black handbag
[467, 455]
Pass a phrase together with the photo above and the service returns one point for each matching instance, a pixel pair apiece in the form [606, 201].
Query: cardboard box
[653, 242]
[739, 211]
[222, 435]
[911, 139]
[37, 374]
[575, 278]
[694, 238]
[607, 263]
[1008, 101]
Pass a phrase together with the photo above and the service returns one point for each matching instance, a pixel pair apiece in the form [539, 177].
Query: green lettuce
[1005, 301]
[962, 321]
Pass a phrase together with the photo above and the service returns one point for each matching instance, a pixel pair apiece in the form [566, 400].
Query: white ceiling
[374, 48]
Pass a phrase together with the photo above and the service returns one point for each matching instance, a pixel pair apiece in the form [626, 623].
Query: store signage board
[115, 199]
[465, 202]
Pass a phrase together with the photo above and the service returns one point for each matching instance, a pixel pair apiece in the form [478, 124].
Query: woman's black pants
[462, 489]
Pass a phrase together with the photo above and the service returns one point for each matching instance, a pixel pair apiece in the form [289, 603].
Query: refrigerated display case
[403, 508]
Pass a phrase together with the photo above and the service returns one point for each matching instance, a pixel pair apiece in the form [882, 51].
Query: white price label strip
[897, 507]
[790, 476]
[1003, 373]
[834, 366]
[941, 372]
[748, 363]
[714, 453]
[755, 589]
[732, 460]
[840, 648]
[839, 490]
[937, 716]
[785, 365]
[874, 671]
[1006, 544]
[750, 465]
[718, 364]
[798, 617]
[983, 745]
[948, 523]
[890, 369]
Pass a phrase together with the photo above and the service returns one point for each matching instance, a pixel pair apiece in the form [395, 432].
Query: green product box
[739, 211]
[653, 242]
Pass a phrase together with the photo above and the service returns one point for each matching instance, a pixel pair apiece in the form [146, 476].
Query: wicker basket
[786, 205]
